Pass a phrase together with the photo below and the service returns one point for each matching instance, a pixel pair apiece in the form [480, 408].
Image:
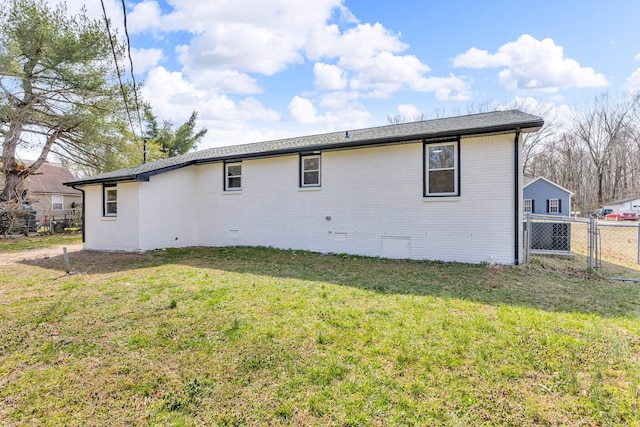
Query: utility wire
[133, 78]
[122, 90]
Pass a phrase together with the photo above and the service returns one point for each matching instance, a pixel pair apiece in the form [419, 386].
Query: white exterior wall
[370, 203]
[112, 233]
[160, 213]
[168, 213]
[373, 197]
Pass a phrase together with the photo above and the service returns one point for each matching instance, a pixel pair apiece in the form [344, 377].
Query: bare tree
[603, 128]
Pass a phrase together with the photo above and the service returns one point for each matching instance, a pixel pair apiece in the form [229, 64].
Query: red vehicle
[621, 216]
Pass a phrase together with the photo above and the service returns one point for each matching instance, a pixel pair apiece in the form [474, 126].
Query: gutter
[516, 190]
[83, 209]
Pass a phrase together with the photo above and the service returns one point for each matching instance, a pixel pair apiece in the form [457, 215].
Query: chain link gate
[612, 248]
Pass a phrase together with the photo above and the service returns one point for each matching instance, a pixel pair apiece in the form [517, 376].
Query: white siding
[112, 233]
[370, 203]
[168, 206]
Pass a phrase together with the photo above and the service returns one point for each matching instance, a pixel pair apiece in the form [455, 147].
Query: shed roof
[475, 124]
[530, 181]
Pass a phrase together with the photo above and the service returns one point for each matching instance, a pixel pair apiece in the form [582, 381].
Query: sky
[258, 70]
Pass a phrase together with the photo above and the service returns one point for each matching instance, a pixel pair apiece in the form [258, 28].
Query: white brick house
[447, 189]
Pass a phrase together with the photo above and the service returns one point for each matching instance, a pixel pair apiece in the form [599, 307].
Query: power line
[133, 78]
[122, 90]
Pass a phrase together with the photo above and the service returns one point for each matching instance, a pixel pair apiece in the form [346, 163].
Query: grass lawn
[21, 243]
[256, 336]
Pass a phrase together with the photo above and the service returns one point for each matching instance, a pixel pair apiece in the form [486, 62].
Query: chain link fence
[612, 248]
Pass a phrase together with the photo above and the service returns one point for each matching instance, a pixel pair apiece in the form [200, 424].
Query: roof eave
[523, 127]
[530, 126]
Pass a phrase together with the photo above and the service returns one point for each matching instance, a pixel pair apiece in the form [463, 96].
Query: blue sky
[266, 69]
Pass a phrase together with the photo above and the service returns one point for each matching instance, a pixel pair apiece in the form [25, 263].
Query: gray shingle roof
[475, 124]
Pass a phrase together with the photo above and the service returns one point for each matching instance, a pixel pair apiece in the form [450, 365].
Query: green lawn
[21, 243]
[255, 336]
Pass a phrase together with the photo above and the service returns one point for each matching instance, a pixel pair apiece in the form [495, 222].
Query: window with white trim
[57, 202]
[527, 206]
[554, 206]
[233, 176]
[442, 168]
[310, 171]
[110, 196]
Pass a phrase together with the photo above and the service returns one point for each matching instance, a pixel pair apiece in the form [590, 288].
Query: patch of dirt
[81, 261]
[37, 253]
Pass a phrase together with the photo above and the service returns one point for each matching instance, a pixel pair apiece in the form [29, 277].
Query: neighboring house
[48, 197]
[631, 204]
[542, 196]
[447, 189]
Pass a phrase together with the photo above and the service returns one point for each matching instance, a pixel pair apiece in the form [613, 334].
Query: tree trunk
[600, 179]
[12, 186]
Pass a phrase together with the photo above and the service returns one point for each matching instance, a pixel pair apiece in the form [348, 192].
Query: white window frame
[228, 177]
[554, 205]
[429, 147]
[304, 171]
[108, 203]
[527, 206]
[57, 202]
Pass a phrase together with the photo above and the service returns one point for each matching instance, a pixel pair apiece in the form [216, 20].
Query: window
[310, 171]
[442, 173]
[528, 206]
[553, 206]
[56, 202]
[233, 176]
[110, 200]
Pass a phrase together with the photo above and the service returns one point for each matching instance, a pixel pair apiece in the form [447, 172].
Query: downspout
[83, 209]
[516, 179]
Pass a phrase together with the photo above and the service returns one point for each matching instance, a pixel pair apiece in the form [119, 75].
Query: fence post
[67, 267]
[638, 251]
[527, 240]
[591, 241]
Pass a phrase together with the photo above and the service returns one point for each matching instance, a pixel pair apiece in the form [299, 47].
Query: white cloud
[355, 47]
[244, 35]
[329, 77]
[243, 47]
[445, 88]
[339, 100]
[408, 111]
[633, 82]
[477, 58]
[145, 59]
[144, 15]
[370, 56]
[533, 65]
[173, 98]
[303, 111]
[227, 44]
[228, 81]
